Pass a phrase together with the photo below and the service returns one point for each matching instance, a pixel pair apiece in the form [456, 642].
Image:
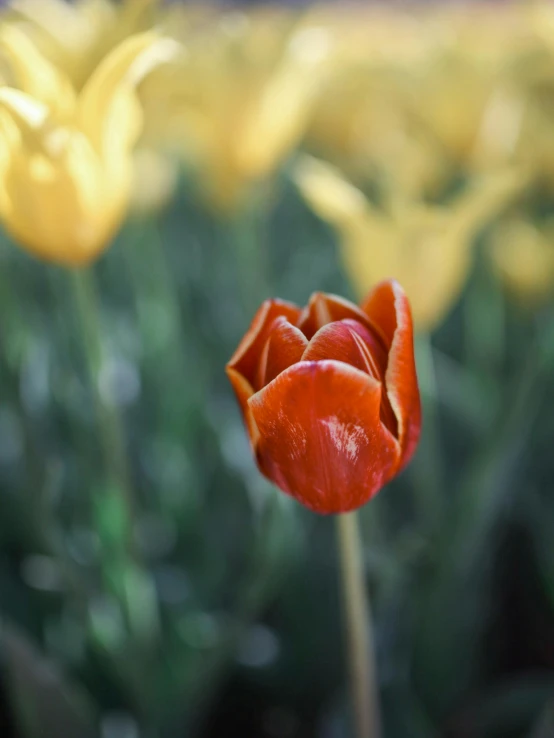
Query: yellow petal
[77, 35]
[33, 73]
[57, 198]
[109, 112]
[281, 113]
[330, 195]
[428, 249]
[62, 208]
[27, 116]
[70, 25]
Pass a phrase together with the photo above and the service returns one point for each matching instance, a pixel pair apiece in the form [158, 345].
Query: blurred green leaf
[45, 703]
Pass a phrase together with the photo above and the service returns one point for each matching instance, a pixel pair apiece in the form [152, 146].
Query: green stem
[38, 519]
[359, 627]
[109, 422]
[128, 578]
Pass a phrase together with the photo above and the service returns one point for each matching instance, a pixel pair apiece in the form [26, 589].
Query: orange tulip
[329, 395]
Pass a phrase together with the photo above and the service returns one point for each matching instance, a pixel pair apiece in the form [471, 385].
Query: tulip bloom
[329, 395]
[76, 36]
[428, 248]
[65, 157]
[241, 99]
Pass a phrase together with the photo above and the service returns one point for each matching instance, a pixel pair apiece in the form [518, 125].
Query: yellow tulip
[428, 248]
[522, 117]
[412, 118]
[241, 98]
[66, 158]
[468, 91]
[523, 257]
[76, 36]
[364, 123]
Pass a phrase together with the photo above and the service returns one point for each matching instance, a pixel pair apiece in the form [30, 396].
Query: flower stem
[108, 419]
[358, 627]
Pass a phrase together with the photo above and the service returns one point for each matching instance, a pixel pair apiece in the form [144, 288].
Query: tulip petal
[283, 348]
[34, 74]
[28, 113]
[351, 342]
[320, 437]
[55, 200]
[109, 111]
[244, 391]
[324, 308]
[387, 306]
[246, 358]
[330, 195]
[281, 115]
[341, 341]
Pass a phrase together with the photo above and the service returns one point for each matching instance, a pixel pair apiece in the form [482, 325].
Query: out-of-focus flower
[426, 247]
[330, 396]
[392, 113]
[364, 124]
[477, 50]
[529, 103]
[523, 257]
[76, 36]
[155, 177]
[509, 55]
[456, 120]
[397, 120]
[66, 158]
[240, 99]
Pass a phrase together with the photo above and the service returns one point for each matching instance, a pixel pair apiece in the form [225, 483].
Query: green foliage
[166, 589]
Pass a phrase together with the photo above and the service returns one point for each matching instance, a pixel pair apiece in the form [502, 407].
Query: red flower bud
[329, 395]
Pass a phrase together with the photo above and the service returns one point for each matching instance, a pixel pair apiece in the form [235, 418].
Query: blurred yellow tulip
[76, 36]
[428, 248]
[241, 97]
[470, 90]
[523, 257]
[66, 158]
[527, 110]
[467, 102]
[363, 122]
[411, 118]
